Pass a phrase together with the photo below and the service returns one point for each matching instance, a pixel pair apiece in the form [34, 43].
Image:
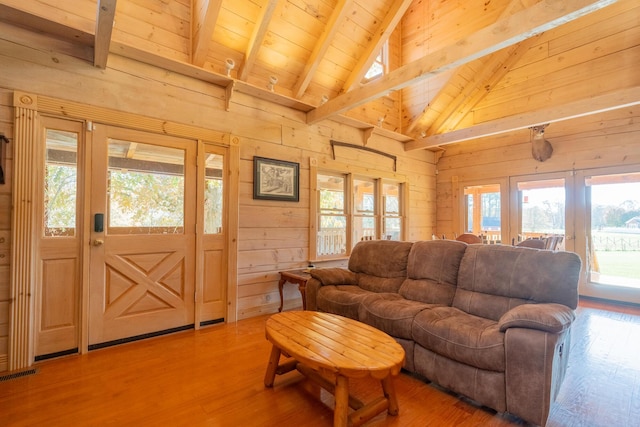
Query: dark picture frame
[276, 180]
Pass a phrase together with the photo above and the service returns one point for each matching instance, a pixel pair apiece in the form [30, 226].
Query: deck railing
[332, 241]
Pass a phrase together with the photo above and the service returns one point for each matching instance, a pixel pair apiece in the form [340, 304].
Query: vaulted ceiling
[457, 70]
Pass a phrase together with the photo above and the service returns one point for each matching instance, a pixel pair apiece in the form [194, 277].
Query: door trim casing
[28, 107]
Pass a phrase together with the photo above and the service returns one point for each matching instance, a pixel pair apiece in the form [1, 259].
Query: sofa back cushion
[380, 265]
[380, 258]
[495, 278]
[432, 271]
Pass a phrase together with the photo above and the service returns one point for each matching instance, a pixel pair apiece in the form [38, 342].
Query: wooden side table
[298, 277]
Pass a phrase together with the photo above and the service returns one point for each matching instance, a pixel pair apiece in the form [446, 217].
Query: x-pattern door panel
[139, 283]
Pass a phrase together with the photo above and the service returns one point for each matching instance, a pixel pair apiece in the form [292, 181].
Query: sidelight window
[60, 183]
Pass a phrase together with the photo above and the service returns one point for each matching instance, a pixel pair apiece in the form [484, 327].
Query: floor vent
[17, 375]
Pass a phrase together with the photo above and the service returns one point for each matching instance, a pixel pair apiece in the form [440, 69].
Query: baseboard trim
[140, 337]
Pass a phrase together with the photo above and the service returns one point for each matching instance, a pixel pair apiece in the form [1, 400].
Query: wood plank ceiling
[444, 57]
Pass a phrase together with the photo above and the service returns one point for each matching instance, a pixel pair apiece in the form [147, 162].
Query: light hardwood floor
[214, 377]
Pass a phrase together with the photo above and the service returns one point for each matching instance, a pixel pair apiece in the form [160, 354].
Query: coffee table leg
[390, 393]
[341, 395]
[274, 359]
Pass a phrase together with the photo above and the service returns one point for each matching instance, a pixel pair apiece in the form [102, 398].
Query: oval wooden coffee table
[329, 349]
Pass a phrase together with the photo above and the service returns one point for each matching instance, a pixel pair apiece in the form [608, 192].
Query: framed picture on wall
[276, 180]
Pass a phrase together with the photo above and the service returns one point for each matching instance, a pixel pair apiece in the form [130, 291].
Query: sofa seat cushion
[379, 284]
[391, 313]
[463, 337]
[343, 299]
[427, 291]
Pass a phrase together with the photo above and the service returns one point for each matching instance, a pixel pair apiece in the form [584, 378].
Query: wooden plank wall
[569, 63]
[161, 27]
[602, 140]
[272, 235]
[429, 26]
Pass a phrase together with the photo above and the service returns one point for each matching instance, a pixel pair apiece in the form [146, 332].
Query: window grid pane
[60, 183]
[332, 235]
[213, 194]
[364, 206]
[392, 222]
[145, 189]
[614, 235]
[331, 238]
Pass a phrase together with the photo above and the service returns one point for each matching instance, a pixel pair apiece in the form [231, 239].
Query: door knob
[98, 242]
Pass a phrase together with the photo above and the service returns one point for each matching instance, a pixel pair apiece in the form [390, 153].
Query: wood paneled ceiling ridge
[506, 32]
[322, 49]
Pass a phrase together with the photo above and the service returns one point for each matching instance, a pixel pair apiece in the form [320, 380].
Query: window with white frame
[379, 66]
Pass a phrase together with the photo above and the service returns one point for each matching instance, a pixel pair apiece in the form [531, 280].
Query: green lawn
[618, 263]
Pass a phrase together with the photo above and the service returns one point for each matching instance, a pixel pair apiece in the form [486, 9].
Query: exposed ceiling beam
[479, 87]
[204, 15]
[593, 105]
[340, 12]
[257, 38]
[106, 12]
[541, 17]
[388, 25]
[489, 74]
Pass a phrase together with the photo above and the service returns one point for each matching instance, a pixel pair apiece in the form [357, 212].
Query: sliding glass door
[611, 239]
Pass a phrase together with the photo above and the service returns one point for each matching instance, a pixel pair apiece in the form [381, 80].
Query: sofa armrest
[548, 317]
[326, 277]
[334, 276]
